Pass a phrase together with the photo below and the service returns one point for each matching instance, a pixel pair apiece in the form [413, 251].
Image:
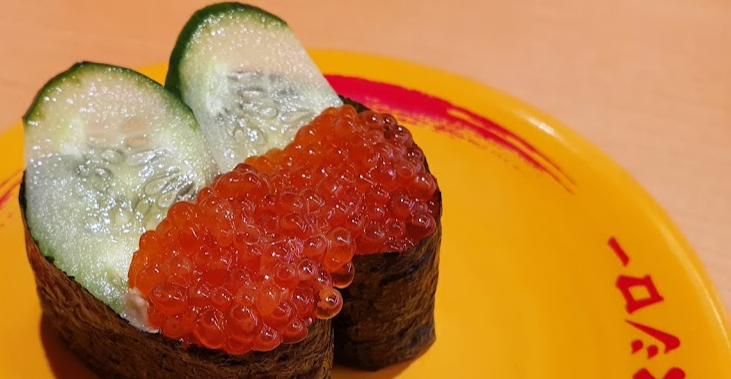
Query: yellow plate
[555, 263]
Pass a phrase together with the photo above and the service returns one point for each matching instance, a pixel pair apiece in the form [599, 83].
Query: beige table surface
[649, 81]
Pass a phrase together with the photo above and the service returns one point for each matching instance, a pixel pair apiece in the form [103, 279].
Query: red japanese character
[625, 285]
[669, 341]
[673, 373]
[618, 251]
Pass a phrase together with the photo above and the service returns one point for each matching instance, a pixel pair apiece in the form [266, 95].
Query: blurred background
[648, 81]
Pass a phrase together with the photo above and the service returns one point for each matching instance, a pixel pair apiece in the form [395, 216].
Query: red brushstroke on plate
[5, 181]
[5, 196]
[414, 106]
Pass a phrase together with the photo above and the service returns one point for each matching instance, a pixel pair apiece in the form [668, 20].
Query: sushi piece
[243, 73]
[109, 154]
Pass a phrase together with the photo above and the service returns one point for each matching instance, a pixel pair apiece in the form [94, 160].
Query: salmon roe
[260, 254]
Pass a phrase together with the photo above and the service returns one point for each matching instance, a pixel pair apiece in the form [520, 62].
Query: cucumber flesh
[107, 151]
[248, 80]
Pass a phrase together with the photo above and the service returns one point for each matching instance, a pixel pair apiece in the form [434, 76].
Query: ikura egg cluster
[259, 255]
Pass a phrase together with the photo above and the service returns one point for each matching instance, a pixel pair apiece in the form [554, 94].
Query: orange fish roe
[259, 255]
[367, 174]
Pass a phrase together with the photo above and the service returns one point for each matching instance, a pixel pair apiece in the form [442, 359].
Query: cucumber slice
[107, 151]
[248, 79]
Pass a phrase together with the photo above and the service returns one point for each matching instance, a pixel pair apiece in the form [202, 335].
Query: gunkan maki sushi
[378, 325]
[111, 158]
